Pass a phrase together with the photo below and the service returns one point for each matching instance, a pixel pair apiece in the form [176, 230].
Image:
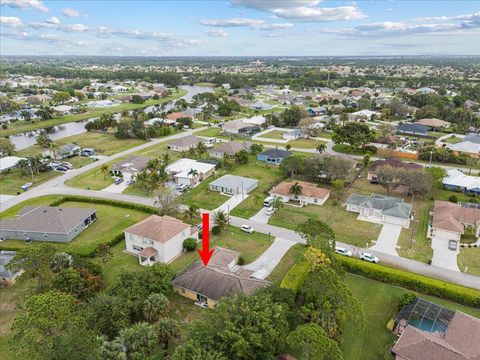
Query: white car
[369, 257]
[343, 251]
[181, 187]
[26, 186]
[247, 229]
[269, 211]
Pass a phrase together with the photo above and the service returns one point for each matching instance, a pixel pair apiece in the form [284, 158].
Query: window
[147, 242]
[315, 201]
[137, 248]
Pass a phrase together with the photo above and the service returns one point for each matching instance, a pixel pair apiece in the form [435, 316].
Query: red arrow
[205, 253]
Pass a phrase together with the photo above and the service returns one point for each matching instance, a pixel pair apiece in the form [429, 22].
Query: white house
[68, 150]
[63, 109]
[365, 115]
[456, 180]
[309, 194]
[255, 120]
[233, 185]
[101, 103]
[157, 239]
[9, 162]
[190, 172]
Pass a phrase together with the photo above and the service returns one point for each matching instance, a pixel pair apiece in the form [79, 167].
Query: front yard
[469, 260]
[11, 181]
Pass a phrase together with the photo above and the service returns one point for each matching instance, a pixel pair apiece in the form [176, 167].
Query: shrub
[390, 325]
[216, 230]
[295, 276]
[241, 260]
[200, 234]
[405, 299]
[453, 199]
[415, 282]
[190, 244]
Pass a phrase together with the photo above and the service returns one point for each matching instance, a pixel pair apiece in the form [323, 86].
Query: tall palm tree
[53, 149]
[139, 339]
[278, 204]
[105, 169]
[321, 148]
[193, 173]
[154, 307]
[296, 190]
[201, 149]
[43, 141]
[220, 218]
[192, 212]
[44, 113]
[25, 115]
[167, 329]
[166, 159]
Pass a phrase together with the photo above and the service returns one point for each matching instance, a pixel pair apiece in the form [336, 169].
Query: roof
[182, 167]
[460, 342]
[255, 120]
[395, 163]
[8, 162]
[158, 228]
[308, 189]
[46, 219]
[390, 206]
[133, 162]
[237, 125]
[176, 115]
[67, 148]
[417, 128]
[217, 280]
[470, 143]
[148, 251]
[186, 141]
[232, 147]
[433, 122]
[276, 153]
[452, 216]
[233, 181]
[62, 108]
[459, 179]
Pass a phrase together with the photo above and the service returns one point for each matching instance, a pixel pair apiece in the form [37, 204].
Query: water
[26, 139]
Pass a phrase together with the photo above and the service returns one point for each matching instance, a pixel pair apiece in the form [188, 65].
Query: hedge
[295, 276]
[143, 208]
[411, 281]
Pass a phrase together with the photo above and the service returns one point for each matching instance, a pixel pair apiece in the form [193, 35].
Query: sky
[239, 27]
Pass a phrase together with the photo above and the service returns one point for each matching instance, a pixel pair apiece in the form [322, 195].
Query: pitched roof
[395, 163]
[233, 181]
[470, 143]
[452, 217]
[308, 189]
[186, 141]
[232, 147]
[458, 178]
[217, 279]
[158, 228]
[177, 115]
[276, 153]
[237, 125]
[47, 219]
[433, 122]
[418, 128]
[391, 206]
[135, 162]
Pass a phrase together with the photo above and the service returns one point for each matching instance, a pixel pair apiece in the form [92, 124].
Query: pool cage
[423, 315]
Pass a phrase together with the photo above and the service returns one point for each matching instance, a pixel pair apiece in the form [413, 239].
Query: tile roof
[158, 228]
[452, 217]
[232, 147]
[135, 162]
[433, 122]
[47, 219]
[308, 189]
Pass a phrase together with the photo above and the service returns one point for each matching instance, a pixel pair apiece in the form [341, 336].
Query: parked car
[181, 187]
[269, 211]
[130, 182]
[118, 181]
[369, 257]
[452, 244]
[268, 202]
[212, 140]
[343, 251]
[26, 186]
[199, 227]
[28, 241]
[247, 229]
[67, 165]
[61, 168]
[87, 152]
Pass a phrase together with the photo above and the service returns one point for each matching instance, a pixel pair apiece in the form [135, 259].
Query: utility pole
[411, 224]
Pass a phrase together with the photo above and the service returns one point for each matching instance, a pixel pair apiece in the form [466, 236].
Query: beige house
[450, 220]
[222, 276]
[228, 149]
[310, 194]
[184, 143]
[157, 239]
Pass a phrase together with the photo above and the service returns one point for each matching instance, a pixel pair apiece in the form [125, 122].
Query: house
[293, 134]
[255, 120]
[228, 149]
[47, 223]
[157, 239]
[434, 123]
[130, 167]
[9, 162]
[177, 115]
[317, 111]
[470, 144]
[240, 127]
[450, 220]
[68, 150]
[392, 162]
[273, 156]
[185, 143]
[233, 185]
[190, 172]
[365, 115]
[100, 103]
[7, 277]
[309, 194]
[261, 106]
[380, 209]
[458, 181]
[221, 277]
[63, 109]
[431, 332]
[413, 129]
[425, 91]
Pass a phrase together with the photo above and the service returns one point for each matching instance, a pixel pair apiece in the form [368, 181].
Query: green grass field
[305, 143]
[274, 134]
[469, 260]
[93, 179]
[11, 181]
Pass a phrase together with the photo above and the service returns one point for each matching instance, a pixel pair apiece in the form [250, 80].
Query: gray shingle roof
[390, 206]
[276, 153]
[233, 181]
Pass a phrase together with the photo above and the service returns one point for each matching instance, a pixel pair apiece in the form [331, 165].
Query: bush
[415, 282]
[144, 208]
[241, 260]
[190, 244]
[390, 325]
[216, 230]
[405, 299]
[295, 276]
[453, 199]
[200, 234]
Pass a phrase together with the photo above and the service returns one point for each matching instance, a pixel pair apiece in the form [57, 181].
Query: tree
[338, 185]
[307, 127]
[192, 212]
[192, 350]
[154, 307]
[277, 204]
[61, 97]
[389, 177]
[190, 244]
[296, 190]
[437, 173]
[136, 342]
[288, 147]
[256, 148]
[242, 157]
[43, 141]
[291, 117]
[417, 182]
[312, 342]
[108, 314]
[25, 115]
[321, 148]
[353, 134]
[385, 129]
[293, 165]
[317, 234]
[6, 147]
[220, 219]
[167, 201]
[44, 113]
[167, 330]
[105, 170]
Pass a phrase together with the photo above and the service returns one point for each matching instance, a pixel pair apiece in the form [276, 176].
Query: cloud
[53, 20]
[302, 10]
[234, 22]
[281, 26]
[11, 21]
[54, 23]
[216, 33]
[69, 12]
[26, 4]
[46, 38]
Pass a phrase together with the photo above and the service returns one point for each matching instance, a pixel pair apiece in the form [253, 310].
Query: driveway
[117, 188]
[387, 239]
[265, 263]
[231, 203]
[442, 256]
[261, 216]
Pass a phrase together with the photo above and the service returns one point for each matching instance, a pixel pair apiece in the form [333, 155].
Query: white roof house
[456, 180]
[469, 144]
[9, 162]
[182, 171]
[100, 103]
[255, 120]
[232, 184]
[63, 109]
[362, 114]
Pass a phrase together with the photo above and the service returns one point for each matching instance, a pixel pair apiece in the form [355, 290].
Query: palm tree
[25, 115]
[193, 173]
[277, 204]
[220, 218]
[44, 113]
[105, 169]
[154, 307]
[6, 147]
[166, 159]
[192, 212]
[321, 148]
[296, 190]
[43, 141]
[139, 339]
[201, 149]
[53, 149]
[167, 329]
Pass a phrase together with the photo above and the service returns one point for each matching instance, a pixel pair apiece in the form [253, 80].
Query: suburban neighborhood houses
[245, 180]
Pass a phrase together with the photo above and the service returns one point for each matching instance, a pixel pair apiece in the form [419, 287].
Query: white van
[268, 201]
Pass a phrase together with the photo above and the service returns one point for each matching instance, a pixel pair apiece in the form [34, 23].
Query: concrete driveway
[265, 263]
[387, 239]
[117, 188]
[231, 203]
[443, 257]
[261, 216]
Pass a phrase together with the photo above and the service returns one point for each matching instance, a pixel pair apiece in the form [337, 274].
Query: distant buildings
[470, 145]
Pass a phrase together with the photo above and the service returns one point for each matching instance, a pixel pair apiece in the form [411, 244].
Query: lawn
[345, 149]
[11, 181]
[93, 179]
[345, 224]
[469, 260]
[453, 140]
[209, 132]
[293, 256]
[274, 134]
[22, 126]
[305, 143]
[111, 221]
[203, 197]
